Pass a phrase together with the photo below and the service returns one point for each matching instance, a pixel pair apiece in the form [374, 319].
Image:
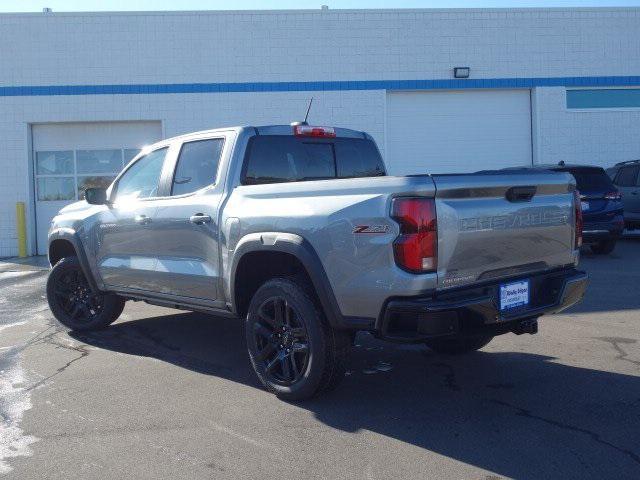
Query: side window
[627, 176]
[141, 180]
[197, 165]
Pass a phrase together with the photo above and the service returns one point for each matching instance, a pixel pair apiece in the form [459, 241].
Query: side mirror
[96, 196]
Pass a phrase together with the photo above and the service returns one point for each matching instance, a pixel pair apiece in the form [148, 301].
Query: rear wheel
[74, 304]
[603, 247]
[293, 349]
[455, 346]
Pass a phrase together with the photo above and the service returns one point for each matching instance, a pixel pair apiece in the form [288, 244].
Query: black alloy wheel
[293, 349]
[74, 303]
[281, 340]
[75, 298]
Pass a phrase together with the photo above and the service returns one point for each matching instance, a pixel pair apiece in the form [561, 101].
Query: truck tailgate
[502, 224]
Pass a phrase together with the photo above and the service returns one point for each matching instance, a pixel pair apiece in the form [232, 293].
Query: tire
[603, 247]
[457, 346]
[73, 303]
[294, 351]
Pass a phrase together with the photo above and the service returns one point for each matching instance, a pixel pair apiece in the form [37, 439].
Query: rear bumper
[597, 231]
[475, 310]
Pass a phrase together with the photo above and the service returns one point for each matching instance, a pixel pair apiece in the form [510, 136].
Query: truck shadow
[516, 414]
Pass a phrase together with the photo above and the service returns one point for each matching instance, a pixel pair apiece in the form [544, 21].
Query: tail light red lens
[615, 196]
[578, 218]
[416, 248]
[309, 131]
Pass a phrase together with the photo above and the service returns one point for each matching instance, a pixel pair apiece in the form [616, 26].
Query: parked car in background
[602, 207]
[626, 177]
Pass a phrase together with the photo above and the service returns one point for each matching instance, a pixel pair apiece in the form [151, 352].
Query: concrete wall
[220, 48]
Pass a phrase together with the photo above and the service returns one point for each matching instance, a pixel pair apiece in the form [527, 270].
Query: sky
[124, 5]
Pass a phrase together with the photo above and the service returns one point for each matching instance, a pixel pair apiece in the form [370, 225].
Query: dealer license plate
[514, 294]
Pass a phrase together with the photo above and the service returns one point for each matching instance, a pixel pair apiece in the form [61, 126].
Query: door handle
[200, 218]
[142, 219]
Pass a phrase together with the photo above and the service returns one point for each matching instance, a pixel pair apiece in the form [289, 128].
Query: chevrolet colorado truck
[299, 231]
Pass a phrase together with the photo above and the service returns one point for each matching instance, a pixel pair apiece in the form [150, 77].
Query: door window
[197, 165]
[65, 174]
[627, 176]
[55, 176]
[55, 188]
[54, 163]
[98, 161]
[141, 180]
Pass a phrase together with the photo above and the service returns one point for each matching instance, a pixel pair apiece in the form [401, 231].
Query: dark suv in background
[602, 208]
[626, 176]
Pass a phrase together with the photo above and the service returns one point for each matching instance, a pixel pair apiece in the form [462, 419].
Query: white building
[80, 91]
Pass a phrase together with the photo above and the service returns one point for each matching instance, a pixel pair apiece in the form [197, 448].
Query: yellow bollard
[21, 226]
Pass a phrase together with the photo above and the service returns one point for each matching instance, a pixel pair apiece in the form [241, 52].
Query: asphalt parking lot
[168, 394]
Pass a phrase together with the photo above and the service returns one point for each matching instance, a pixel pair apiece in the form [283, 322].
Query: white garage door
[69, 157]
[457, 131]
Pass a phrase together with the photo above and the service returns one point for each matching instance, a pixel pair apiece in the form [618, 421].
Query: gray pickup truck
[299, 231]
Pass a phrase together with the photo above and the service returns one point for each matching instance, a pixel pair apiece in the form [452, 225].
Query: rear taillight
[577, 208]
[309, 131]
[416, 248]
[615, 196]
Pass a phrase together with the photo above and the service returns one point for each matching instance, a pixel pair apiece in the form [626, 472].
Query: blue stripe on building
[328, 86]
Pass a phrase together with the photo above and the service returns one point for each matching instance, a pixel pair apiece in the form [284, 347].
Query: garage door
[69, 157]
[457, 131]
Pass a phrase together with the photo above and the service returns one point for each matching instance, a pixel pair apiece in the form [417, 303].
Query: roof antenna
[308, 110]
[304, 122]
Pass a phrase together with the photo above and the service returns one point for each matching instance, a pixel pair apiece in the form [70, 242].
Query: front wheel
[293, 349]
[603, 247]
[74, 304]
[456, 346]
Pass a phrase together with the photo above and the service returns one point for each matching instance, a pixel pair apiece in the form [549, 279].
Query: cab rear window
[283, 158]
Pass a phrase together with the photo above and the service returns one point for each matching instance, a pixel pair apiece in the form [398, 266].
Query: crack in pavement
[451, 383]
[622, 353]
[50, 340]
[565, 426]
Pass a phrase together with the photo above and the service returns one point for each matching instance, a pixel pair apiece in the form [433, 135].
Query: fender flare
[301, 249]
[71, 236]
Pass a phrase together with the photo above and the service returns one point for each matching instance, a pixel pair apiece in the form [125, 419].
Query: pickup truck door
[125, 234]
[186, 223]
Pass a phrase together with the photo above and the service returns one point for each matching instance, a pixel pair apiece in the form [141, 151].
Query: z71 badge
[371, 229]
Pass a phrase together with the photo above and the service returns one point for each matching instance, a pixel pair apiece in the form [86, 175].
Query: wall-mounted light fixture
[461, 72]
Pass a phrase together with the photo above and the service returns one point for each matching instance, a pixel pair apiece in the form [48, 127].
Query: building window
[604, 98]
[64, 175]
